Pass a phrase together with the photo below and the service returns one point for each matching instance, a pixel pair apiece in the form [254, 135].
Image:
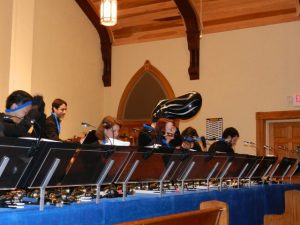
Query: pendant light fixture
[108, 12]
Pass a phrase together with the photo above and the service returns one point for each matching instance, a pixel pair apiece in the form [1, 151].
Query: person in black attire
[230, 137]
[147, 135]
[163, 132]
[40, 123]
[21, 113]
[189, 139]
[52, 126]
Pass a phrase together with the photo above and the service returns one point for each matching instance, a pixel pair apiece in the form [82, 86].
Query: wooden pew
[213, 213]
[291, 216]
[224, 216]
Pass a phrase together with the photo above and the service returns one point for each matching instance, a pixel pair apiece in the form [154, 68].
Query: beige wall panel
[67, 63]
[5, 43]
[21, 45]
[241, 72]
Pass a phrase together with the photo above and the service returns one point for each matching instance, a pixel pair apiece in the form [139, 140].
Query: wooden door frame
[261, 120]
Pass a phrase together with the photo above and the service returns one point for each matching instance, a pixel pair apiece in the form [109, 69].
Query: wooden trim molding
[262, 118]
[105, 40]
[147, 67]
[192, 25]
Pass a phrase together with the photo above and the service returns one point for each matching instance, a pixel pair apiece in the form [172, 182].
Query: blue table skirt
[247, 207]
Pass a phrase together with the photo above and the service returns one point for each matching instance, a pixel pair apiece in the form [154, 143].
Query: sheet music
[117, 142]
[153, 146]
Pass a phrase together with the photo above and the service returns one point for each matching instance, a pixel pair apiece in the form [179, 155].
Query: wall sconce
[108, 12]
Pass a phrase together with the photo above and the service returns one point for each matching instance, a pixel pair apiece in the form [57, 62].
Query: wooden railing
[210, 213]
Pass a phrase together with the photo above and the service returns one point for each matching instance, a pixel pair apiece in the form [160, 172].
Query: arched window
[140, 96]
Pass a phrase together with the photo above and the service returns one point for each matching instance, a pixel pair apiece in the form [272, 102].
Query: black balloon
[183, 107]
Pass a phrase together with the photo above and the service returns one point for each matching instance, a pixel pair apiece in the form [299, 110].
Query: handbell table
[247, 206]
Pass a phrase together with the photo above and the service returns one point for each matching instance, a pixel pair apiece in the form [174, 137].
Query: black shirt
[148, 136]
[196, 146]
[221, 146]
[51, 129]
[9, 128]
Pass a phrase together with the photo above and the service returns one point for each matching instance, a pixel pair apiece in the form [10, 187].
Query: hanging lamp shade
[108, 12]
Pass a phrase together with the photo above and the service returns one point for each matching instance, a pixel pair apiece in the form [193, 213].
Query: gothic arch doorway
[142, 93]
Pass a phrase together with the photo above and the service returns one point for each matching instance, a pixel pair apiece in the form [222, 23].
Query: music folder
[204, 164]
[14, 161]
[90, 137]
[284, 166]
[149, 169]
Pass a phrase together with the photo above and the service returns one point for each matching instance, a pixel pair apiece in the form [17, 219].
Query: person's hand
[75, 139]
[187, 145]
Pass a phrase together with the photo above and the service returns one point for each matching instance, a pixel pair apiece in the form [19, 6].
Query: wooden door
[284, 138]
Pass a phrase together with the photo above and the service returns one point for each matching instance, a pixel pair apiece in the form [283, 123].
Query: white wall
[241, 72]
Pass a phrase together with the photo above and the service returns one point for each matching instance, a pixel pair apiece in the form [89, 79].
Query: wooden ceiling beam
[152, 20]
[105, 41]
[192, 25]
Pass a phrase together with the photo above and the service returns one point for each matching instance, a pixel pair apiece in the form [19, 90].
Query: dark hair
[189, 132]
[107, 123]
[57, 103]
[230, 131]
[38, 101]
[18, 97]
[160, 126]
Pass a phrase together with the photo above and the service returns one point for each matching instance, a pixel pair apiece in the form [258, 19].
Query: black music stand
[39, 155]
[240, 166]
[95, 167]
[262, 168]
[295, 172]
[144, 167]
[63, 167]
[51, 171]
[203, 167]
[90, 138]
[14, 161]
[282, 168]
[181, 161]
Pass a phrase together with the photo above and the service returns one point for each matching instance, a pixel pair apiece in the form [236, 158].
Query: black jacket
[149, 137]
[51, 129]
[10, 129]
[221, 146]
